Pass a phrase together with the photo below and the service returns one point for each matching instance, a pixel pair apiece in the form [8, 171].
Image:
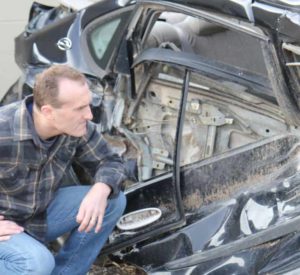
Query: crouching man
[40, 137]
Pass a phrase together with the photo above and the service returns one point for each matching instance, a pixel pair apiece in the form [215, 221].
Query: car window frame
[111, 51]
[173, 175]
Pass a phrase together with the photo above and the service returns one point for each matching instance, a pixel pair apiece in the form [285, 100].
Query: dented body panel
[234, 218]
[201, 99]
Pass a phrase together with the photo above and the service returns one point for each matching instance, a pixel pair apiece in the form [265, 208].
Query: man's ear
[47, 111]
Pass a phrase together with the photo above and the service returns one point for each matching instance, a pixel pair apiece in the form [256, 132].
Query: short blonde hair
[46, 87]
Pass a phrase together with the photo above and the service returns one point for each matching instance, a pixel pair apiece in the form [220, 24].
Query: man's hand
[92, 207]
[8, 228]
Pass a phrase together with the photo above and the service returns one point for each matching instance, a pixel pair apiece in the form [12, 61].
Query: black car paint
[194, 246]
[190, 249]
[45, 39]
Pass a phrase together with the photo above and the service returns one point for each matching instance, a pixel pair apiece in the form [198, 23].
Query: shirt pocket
[13, 179]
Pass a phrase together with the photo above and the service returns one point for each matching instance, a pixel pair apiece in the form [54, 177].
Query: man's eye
[81, 108]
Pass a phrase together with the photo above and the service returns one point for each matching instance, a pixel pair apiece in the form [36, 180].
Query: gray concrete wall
[13, 18]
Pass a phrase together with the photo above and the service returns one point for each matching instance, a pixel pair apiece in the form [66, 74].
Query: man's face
[71, 118]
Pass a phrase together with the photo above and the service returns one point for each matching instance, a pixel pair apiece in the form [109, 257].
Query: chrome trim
[64, 44]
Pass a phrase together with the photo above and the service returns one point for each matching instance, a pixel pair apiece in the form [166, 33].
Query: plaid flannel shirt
[30, 173]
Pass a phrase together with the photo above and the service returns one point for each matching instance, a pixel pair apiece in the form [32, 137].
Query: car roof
[83, 4]
[279, 16]
[78, 4]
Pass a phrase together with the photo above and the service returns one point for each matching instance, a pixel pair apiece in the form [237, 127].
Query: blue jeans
[22, 254]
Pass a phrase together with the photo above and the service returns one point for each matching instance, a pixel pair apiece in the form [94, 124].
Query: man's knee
[42, 261]
[24, 255]
[39, 260]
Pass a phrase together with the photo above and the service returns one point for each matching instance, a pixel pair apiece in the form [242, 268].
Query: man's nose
[88, 114]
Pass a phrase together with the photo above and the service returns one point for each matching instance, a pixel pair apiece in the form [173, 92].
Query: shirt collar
[23, 122]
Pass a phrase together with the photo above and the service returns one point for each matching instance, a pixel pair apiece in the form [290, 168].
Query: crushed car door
[239, 155]
[151, 125]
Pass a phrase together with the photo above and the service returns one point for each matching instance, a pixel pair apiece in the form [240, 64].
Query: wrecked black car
[204, 97]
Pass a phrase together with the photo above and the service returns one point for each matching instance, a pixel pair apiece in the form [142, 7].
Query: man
[40, 137]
